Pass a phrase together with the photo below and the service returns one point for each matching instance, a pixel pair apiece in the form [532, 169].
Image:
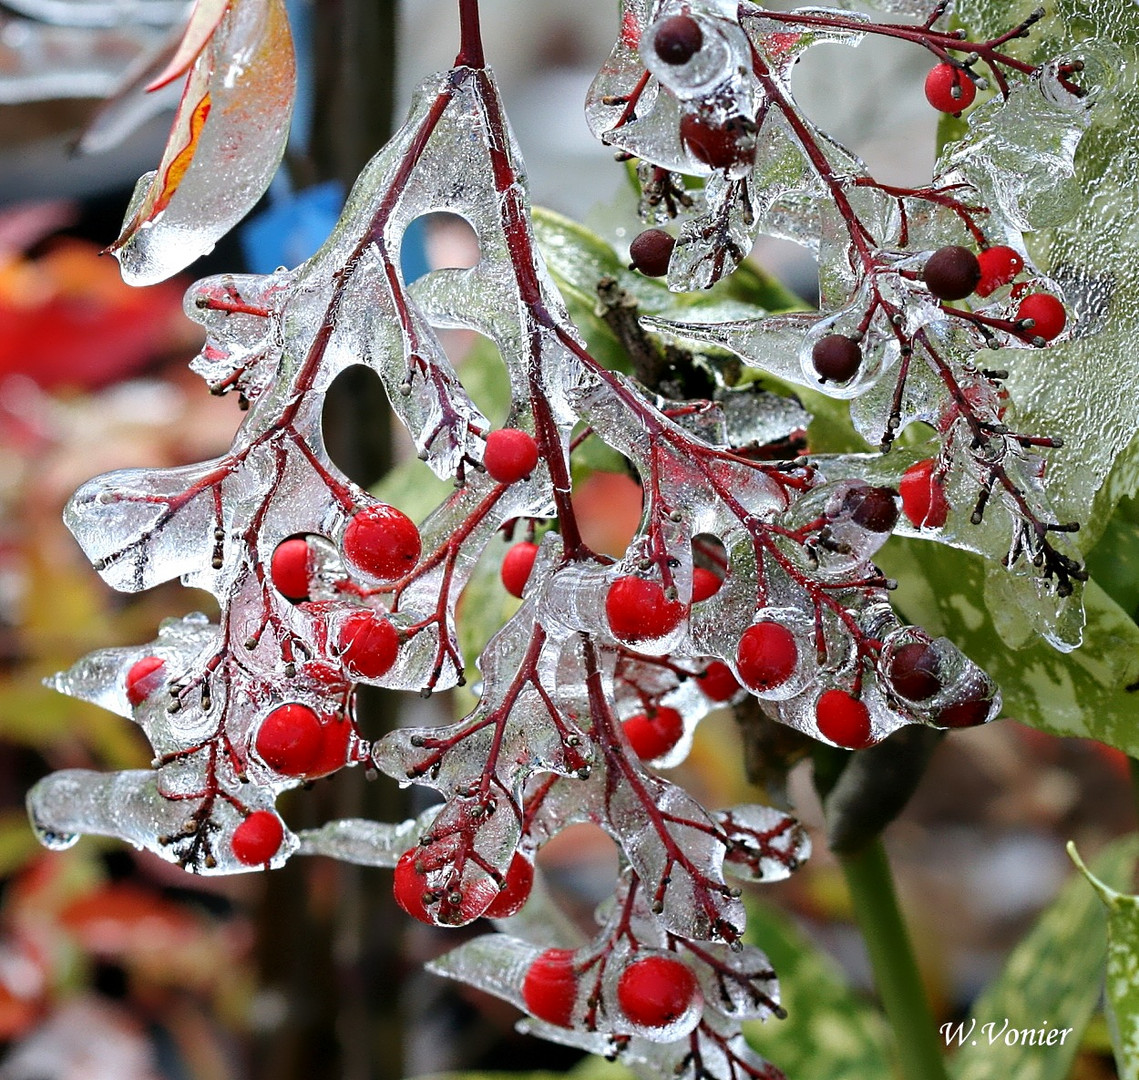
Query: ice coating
[225, 145]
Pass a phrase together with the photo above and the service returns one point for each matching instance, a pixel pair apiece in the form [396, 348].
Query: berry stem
[892, 959]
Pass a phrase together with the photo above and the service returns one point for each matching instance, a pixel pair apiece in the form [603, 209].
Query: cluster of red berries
[653, 992]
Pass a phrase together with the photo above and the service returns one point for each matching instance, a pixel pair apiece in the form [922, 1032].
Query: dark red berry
[510, 455]
[968, 713]
[836, 358]
[767, 655]
[517, 565]
[678, 39]
[657, 991]
[638, 610]
[368, 644]
[550, 987]
[952, 272]
[258, 838]
[1046, 312]
[650, 252]
[382, 542]
[999, 265]
[288, 739]
[913, 671]
[729, 145]
[704, 584]
[519, 881]
[923, 496]
[144, 677]
[654, 733]
[843, 719]
[874, 508]
[948, 89]
[289, 568]
[410, 886]
[718, 682]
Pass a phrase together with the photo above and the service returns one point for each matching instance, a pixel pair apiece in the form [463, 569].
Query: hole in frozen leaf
[581, 861]
[609, 508]
[882, 115]
[355, 425]
[709, 566]
[438, 242]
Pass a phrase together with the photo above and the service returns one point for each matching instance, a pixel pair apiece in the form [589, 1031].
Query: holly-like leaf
[1052, 980]
[1122, 965]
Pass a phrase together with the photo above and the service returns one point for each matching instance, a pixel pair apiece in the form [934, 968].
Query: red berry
[704, 584]
[722, 146]
[949, 89]
[257, 839]
[718, 682]
[655, 733]
[288, 739]
[638, 610]
[382, 542]
[144, 677]
[678, 39]
[874, 508]
[836, 358]
[923, 496]
[550, 987]
[368, 644]
[289, 568]
[999, 265]
[767, 655]
[519, 881]
[968, 713]
[510, 455]
[952, 272]
[843, 719]
[332, 754]
[650, 252]
[1046, 312]
[410, 886]
[517, 565]
[656, 991]
[913, 671]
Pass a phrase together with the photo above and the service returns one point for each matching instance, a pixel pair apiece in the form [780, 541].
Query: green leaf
[1122, 969]
[1086, 390]
[1078, 694]
[829, 1033]
[1052, 979]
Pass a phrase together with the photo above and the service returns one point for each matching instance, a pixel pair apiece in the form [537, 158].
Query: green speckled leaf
[1052, 981]
[1122, 985]
[829, 1033]
[1080, 693]
[1086, 390]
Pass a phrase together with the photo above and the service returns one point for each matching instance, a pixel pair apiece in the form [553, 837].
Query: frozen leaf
[1053, 978]
[227, 139]
[1122, 990]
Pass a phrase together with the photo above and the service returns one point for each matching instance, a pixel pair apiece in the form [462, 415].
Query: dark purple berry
[836, 358]
[952, 273]
[650, 252]
[968, 713]
[913, 671]
[678, 39]
[874, 508]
